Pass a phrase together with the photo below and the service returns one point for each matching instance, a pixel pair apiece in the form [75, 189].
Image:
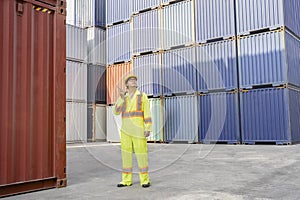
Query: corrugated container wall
[115, 75]
[76, 122]
[140, 5]
[118, 43]
[96, 84]
[217, 66]
[117, 11]
[178, 24]
[76, 81]
[148, 70]
[100, 123]
[181, 122]
[79, 12]
[71, 17]
[94, 14]
[32, 90]
[218, 117]
[76, 43]
[261, 14]
[214, 19]
[146, 32]
[114, 123]
[157, 110]
[179, 71]
[263, 59]
[96, 46]
[270, 114]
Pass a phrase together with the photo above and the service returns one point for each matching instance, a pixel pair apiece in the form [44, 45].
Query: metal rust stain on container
[32, 89]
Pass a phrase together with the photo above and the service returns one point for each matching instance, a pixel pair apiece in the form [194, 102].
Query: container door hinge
[20, 9]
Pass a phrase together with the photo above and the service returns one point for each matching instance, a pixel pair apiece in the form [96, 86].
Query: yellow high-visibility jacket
[136, 116]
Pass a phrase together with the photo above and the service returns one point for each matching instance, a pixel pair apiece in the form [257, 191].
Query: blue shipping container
[214, 19]
[146, 32]
[217, 66]
[118, 43]
[269, 58]
[117, 11]
[179, 71]
[140, 5]
[148, 70]
[181, 122]
[270, 115]
[219, 117]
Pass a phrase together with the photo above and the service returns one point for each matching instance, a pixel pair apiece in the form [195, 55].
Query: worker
[134, 107]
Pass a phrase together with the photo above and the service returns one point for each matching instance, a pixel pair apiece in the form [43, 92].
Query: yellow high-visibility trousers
[139, 145]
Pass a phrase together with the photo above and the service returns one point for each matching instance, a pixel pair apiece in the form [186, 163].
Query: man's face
[132, 82]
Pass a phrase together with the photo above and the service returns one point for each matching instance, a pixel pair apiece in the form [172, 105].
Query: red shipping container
[32, 90]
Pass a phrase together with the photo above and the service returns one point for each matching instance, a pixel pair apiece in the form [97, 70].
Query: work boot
[123, 185]
[146, 185]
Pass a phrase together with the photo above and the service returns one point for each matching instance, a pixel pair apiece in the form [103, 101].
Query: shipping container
[157, 116]
[148, 70]
[76, 39]
[33, 96]
[96, 46]
[117, 11]
[269, 58]
[118, 43]
[76, 81]
[146, 31]
[80, 10]
[219, 117]
[96, 84]
[71, 13]
[90, 122]
[179, 71]
[113, 124]
[142, 5]
[181, 120]
[178, 24]
[100, 123]
[270, 115]
[267, 14]
[94, 13]
[115, 75]
[214, 19]
[217, 66]
[76, 122]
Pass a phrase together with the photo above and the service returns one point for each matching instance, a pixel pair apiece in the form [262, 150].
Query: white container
[117, 11]
[76, 43]
[100, 122]
[113, 124]
[76, 81]
[94, 14]
[96, 46]
[76, 122]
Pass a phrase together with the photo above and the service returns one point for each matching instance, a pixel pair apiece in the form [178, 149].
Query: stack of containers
[269, 70]
[76, 86]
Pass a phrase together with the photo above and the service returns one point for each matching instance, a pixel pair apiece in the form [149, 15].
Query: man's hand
[122, 93]
[147, 133]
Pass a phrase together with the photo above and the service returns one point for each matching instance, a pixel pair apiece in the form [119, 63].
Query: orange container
[115, 80]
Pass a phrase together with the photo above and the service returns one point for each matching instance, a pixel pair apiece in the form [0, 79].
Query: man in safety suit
[134, 107]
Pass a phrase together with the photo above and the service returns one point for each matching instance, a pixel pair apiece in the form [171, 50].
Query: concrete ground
[182, 171]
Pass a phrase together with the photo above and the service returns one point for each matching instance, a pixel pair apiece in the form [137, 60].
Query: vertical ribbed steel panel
[100, 122]
[139, 5]
[218, 117]
[96, 46]
[113, 125]
[156, 108]
[291, 15]
[181, 122]
[96, 84]
[265, 115]
[177, 24]
[76, 81]
[262, 59]
[76, 43]
[76, 122]
[115, 75]
[71, 15]
[94, 14]
[118, 43]
[117, 10]
[148, 70]
[214, 19]
[79, 12]
[258, 14]
[179, 71]
[90, 122]
[217, 66]
[146, 32]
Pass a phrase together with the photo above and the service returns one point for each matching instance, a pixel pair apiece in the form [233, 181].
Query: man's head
[131, 81]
